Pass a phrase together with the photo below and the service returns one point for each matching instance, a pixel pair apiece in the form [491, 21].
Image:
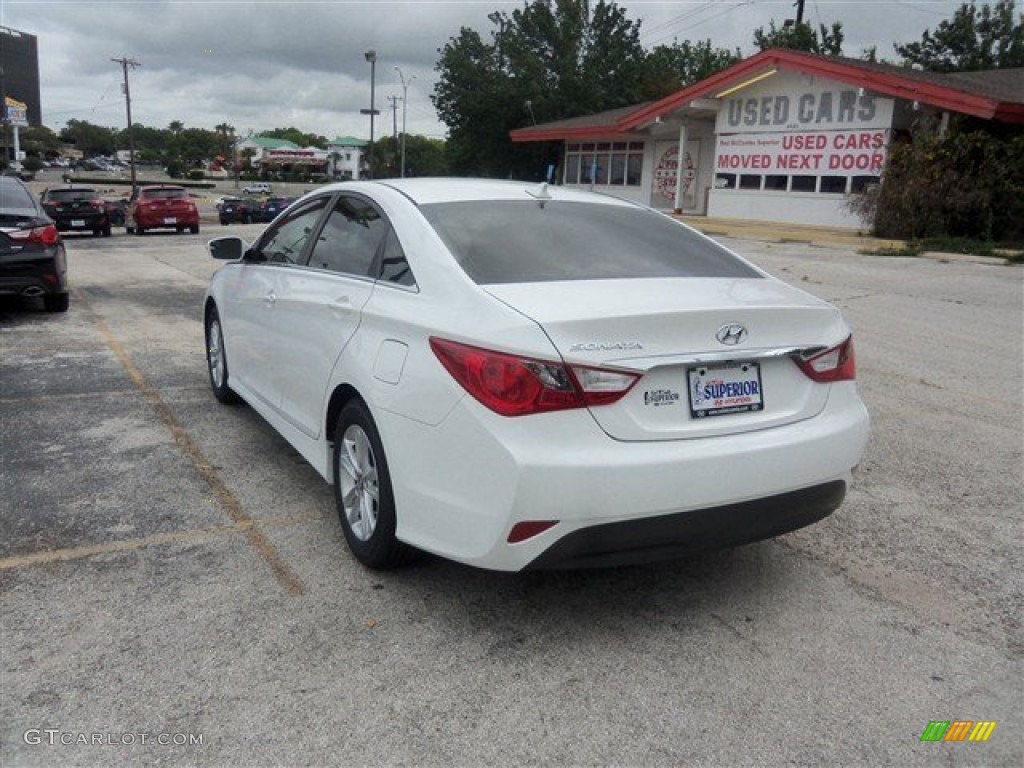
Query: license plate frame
[78, 222]
[725, 388]
[170, 220]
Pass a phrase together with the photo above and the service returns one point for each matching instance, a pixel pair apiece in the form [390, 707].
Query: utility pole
[394, 118]
[799, 12]
[125, 64]
[405, 109]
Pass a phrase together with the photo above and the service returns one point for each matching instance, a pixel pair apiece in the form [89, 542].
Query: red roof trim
[889, 84]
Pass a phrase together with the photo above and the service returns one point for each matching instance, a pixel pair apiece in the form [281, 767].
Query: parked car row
[246, 210]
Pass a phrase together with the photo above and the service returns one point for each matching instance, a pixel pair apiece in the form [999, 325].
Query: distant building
[346, 156]
[781, 136]
[261, 145]
[19, 64]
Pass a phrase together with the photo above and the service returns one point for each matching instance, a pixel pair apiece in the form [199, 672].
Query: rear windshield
[527, 242]
[15, 197]
[167, 194]
[68, 195]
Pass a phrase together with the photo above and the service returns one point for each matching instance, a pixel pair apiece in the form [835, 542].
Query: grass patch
[1012, 252]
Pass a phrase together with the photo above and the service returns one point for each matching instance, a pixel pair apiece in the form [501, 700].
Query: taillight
[47, 235]
[517, 386]
[834, 364]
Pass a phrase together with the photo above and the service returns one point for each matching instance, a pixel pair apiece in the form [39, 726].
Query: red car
[162, 207]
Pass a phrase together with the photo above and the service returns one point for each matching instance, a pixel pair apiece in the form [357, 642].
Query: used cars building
[781, 136]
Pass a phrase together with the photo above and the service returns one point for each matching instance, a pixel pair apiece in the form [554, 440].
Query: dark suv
[32, 258]
[77, 209]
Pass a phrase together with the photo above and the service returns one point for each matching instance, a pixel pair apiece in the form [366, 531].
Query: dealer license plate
[171, 220]
[78, 222]
[716, 390]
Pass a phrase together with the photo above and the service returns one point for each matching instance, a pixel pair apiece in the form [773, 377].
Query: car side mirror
[230, 248]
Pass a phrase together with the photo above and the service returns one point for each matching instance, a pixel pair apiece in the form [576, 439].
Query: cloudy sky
[261, 64]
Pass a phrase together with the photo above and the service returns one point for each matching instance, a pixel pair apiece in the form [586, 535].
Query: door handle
[270, 298]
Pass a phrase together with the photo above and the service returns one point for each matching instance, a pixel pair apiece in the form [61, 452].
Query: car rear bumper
[461, 486]
[698, 530]
[80, 223]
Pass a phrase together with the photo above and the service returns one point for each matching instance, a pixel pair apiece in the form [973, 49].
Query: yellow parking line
[221, 492]
[131, 545]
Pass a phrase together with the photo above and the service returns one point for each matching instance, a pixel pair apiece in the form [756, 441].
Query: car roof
[450, 190]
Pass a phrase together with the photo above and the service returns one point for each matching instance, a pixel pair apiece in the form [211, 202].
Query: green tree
[670, 68]
[546, 61]
[974, 39]
[297, 137]
[801, 37]
[88, 138]
[425, 157]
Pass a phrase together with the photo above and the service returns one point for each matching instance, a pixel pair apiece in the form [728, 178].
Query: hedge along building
[781, 136]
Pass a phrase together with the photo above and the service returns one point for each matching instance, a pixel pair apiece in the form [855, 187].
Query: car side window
[393, 266]
[285, 243]
[350, 238]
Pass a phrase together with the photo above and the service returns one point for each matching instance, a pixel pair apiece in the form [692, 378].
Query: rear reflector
[529, 529]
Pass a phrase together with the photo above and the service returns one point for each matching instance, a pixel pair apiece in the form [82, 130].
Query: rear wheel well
[341, 397]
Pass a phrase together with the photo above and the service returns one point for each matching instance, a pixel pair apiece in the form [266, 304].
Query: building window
[615, 164]
[832, 185]
[804, 184]
[860, 184]
[776, 183]
[725, 181]
[748, 181]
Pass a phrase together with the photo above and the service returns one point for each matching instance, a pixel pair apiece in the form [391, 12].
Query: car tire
[140, 230]
[223, 222]
[129, 229]
[107, 231]
[57, 302]
[217, 361]
[362, 491]
[194, 229]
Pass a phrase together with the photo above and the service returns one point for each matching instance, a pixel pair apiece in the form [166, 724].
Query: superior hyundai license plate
[78, 222]
[170, 220]
[716, 390]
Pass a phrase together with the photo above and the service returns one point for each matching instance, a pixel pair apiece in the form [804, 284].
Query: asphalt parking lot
[176, 589]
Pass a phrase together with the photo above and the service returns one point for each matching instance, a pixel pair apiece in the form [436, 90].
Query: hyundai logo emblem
[731, 334]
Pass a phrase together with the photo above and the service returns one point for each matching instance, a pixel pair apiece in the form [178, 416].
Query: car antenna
[542, 194]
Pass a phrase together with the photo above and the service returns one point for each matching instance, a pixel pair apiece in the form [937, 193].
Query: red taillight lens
[834, 364]
[529, 529]
[47, 235]
[517, 386]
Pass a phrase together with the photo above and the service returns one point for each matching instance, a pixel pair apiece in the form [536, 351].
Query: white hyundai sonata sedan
[521, 376]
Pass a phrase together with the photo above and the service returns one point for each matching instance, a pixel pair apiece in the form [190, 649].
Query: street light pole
[405, 109]
[371, 56]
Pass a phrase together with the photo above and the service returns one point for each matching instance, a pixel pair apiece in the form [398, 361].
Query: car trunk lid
[692, 384]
